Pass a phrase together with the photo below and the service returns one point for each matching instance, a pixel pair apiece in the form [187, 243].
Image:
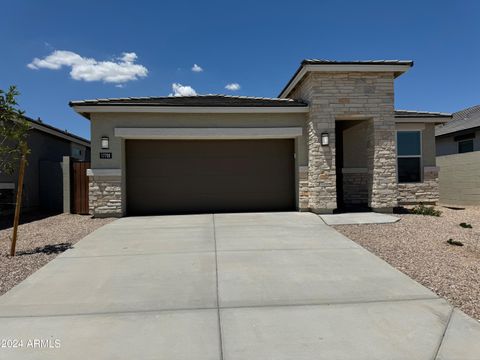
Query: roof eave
[437, 120]
[48, 129]
[87, 110]
[450, 133]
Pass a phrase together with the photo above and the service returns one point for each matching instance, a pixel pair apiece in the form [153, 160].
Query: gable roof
[49, 129]
[398, 67]
[462, 120]
[212, 100]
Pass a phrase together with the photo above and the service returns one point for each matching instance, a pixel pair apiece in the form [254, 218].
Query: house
[458, 153]
[461, 134]
[43, 186]
[331, 140]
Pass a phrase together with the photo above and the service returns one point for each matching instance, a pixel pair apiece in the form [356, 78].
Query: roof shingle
[422, 114]
[461, 120]
[198, 100]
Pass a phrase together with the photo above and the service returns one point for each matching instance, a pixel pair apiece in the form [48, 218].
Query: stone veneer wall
[350, 95]
[105, 196]
[355, 188]
[303, 188]
[425, 192]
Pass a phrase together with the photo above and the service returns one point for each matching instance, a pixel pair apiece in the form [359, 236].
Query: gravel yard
[417, 245]
[40, 239]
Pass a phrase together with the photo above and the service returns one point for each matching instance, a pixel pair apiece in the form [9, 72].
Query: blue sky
[256, 44]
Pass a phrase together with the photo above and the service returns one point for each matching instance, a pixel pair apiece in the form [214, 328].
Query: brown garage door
[195, 176]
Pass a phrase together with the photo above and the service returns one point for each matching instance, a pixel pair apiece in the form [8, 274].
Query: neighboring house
[329, 141]
[461, 134]
[458, 154]
[43, 182]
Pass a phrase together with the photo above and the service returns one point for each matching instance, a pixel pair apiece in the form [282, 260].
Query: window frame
[463, 141]
[420, 156]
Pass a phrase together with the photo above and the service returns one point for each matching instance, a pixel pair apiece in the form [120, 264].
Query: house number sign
[105, 155]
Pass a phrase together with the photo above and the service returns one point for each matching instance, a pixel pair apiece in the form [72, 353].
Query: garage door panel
[223, 185]
[206, 176]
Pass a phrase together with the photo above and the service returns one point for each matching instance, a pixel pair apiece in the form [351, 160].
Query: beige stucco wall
[355, 146]
[460, 178]
[104, 124]
[446, 144]
[428, 145]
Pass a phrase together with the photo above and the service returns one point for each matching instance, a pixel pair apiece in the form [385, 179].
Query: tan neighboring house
[458, 154]
[331, 140]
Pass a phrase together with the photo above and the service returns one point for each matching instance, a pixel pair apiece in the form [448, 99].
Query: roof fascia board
[399, 68]
[427, 120]
[188, 109]
[58, 134]
[453, 132]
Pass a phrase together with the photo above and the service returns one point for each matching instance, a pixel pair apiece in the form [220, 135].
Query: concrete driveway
[228, 286]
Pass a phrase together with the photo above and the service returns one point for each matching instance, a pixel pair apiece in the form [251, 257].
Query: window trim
[462, 141]
[420, 131]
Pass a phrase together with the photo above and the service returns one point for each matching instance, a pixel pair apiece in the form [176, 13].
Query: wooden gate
[80, 187]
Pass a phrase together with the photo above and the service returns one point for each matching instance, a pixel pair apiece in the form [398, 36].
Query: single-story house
[330, 140]
[461, 134]
[43, 181]
[458, 153]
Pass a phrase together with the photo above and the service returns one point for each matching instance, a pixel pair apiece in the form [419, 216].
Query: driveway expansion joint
[218, 296]
[218, 308]
[443, 333]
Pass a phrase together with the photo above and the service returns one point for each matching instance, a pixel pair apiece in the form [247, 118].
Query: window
[76, 153]
[465, 146]
[409, 156]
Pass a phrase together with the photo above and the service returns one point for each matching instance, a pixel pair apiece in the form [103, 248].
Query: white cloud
[119, 71]
[197, 68]
[232, 86]
[181, 90]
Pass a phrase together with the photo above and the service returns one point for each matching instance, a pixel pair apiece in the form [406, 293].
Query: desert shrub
[425, 210]
[465, 225]
[454, 242]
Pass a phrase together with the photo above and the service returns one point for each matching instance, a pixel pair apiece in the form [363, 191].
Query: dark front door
[195, 176]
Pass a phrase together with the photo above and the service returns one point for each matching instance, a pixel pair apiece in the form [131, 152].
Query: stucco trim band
[7, 186]
[104, 172]
[208, 133]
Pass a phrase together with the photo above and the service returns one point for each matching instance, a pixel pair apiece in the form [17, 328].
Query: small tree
[13, 148]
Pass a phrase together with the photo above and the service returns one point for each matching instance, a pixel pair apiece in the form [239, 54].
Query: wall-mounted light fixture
[105, 142]
[324, 139]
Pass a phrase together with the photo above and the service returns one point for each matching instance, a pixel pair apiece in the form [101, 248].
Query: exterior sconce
[105, 142]
[325, 139]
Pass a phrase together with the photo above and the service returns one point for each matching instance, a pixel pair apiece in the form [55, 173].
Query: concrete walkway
[358, 218]
[231, 286]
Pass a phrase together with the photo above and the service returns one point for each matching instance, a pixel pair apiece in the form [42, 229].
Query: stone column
[105, 196]
[382, 165]
[321, 165]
